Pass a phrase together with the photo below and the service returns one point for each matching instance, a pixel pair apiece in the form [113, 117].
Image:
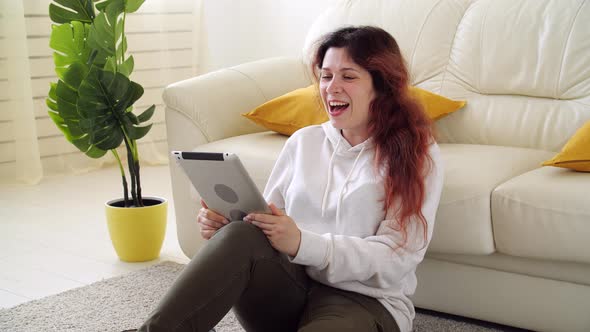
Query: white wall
[234, 32]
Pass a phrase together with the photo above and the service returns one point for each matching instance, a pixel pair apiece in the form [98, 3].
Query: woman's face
[347, 92]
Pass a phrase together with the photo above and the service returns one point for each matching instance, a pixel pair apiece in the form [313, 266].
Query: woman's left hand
[281, 230]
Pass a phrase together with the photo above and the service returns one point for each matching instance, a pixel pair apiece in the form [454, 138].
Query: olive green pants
[238, 268]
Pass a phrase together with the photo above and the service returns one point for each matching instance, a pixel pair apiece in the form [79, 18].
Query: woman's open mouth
[336, 108]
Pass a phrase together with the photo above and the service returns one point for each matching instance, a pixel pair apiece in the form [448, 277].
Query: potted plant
[92, 105]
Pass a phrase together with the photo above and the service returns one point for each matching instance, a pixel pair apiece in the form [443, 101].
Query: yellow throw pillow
[576, 152]
[303, 107]
[290, 112]
[436, 106]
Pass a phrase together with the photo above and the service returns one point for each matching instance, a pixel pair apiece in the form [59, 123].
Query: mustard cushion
[436, 106]
[303, 107]
[576, 152]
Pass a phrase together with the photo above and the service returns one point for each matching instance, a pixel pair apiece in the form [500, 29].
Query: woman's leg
[237, 267]
[333, 310]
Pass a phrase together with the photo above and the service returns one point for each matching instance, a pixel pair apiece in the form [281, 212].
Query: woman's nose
[333, 86]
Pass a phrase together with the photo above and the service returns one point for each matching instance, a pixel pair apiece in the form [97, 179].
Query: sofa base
[502, 297]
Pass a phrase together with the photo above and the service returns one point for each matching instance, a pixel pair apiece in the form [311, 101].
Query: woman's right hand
[209, 221]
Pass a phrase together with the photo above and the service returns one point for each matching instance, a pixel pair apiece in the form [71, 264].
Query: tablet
[223, 183]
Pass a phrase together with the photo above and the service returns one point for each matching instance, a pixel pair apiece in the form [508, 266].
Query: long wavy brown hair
[401, 130]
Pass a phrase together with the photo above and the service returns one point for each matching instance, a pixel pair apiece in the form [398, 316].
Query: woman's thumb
[275, 210]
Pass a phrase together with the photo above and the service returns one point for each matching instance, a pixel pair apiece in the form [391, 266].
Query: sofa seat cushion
[463, 221]
[544, 213]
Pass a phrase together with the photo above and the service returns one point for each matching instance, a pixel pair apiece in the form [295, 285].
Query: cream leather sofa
[512, 239]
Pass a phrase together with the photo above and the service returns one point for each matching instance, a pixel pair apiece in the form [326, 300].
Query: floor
[53, 236]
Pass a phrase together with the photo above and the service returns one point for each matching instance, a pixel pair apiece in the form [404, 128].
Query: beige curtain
[19, 150]
[162, 37]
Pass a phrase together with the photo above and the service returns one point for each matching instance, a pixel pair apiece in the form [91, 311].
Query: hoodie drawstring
[330, 166]
[343, 190]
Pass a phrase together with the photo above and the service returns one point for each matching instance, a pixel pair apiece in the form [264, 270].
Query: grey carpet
[123, 302]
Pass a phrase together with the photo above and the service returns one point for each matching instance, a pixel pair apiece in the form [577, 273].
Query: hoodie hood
[344, 148]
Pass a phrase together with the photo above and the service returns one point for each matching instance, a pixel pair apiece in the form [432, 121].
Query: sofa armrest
[212, 103]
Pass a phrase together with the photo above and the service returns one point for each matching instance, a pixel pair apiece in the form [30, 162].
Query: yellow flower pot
[137, 233]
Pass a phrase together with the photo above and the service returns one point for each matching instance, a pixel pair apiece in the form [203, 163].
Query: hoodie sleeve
[376, 261]
[280, 178]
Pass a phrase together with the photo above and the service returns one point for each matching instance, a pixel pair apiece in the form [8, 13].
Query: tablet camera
[226, 193]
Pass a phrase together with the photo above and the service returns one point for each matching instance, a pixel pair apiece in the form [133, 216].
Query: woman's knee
[242, 236]
[240, 229]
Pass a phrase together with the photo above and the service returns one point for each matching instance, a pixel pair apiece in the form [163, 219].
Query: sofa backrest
[522, 65]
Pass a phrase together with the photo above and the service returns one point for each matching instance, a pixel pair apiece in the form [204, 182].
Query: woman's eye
[326, 77]
[348, 77]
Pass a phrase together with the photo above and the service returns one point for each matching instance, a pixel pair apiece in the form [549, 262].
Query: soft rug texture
[123, 302]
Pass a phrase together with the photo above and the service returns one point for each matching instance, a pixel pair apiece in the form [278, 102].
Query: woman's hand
[281, 230]
[209, 221]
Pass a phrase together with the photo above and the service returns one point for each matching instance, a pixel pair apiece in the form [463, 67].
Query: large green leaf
[82, 143]
[54, 114]
[126, 68]
[135, 132]
[104, 97]
[69, 43]
[71, 10]
[147, 114]
[75, 74]
[106, 34]
[102, 4]
[65, 95]
[108, 137]
[51, 99]
[66, 99]
[130, 5]
[133, 5]
[69, 126]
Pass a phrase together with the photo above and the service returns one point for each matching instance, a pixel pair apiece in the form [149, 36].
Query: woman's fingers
[208, 228]
[211, 218]
[262, 225]
[210, 223]
[263, 218]
[207, 234]
[207, 213]
[268, 233]
[215, 217]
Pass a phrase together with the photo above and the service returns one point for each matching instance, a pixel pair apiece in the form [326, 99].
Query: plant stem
[136, 162]
[125, 189]
[123, 37]
[138, 183]
[130, 164]
[135, 155]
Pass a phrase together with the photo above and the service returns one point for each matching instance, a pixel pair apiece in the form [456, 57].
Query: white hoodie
[331, 191]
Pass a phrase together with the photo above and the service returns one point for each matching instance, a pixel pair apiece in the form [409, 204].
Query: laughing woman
[353, 206]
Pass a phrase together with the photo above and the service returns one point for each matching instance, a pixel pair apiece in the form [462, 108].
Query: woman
[353, 205]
